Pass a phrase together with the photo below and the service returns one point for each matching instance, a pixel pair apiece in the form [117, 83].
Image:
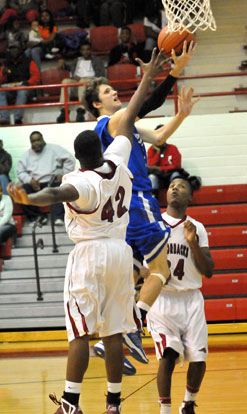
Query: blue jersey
[147, 233]
[138, 156]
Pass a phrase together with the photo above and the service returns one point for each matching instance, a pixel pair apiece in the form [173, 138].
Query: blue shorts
[147, 233]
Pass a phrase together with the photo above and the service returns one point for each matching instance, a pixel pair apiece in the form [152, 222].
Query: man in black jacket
[18, 70]
[5, 167]
[126, 51]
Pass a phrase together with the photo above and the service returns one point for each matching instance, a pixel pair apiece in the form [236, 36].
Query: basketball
[173, 40]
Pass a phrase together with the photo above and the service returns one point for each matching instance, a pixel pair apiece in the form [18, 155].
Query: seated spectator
[34, 44]
[51, 43]
[18, 70]
[86, 67]
[163, 161]
[5, 14]
[7, 223]
[5, 167]
[41, 166]
[28, 10]
[14, 34]
[126, 51]
[154, 21]
[78, 8]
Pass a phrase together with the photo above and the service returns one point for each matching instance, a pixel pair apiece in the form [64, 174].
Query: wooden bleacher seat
[103, 39]
[226, 259]
[138, 32]
[5, 249]
[225, 284]
[227, 236]
[232, 309]
[214, 194]
[218, 214]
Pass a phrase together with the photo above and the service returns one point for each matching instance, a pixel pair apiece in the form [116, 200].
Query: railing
[36, 245]
[174, 96]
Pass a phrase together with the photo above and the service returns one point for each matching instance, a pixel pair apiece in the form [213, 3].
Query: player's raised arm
[44, 197]
[150, 70]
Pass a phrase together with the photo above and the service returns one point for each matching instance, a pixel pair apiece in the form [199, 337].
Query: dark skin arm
[202, 255]
[44, 197]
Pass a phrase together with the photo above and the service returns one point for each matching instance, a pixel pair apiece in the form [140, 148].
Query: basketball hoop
[189, 15]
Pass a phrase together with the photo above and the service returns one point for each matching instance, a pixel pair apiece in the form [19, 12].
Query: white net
[189, 15]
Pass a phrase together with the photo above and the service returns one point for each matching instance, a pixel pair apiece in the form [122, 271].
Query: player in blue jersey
[146, 233]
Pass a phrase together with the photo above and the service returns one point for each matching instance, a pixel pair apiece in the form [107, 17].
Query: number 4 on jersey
[108, 211]
[179, 269]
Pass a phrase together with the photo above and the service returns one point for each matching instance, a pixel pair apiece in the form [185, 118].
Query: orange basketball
[173, 40]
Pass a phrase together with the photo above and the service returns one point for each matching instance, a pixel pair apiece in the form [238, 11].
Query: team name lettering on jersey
[173, 248]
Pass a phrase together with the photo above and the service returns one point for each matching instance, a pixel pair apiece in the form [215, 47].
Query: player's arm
[150, 70]
[160, 136]
[158, 96]
[47, 196]
[202, 255]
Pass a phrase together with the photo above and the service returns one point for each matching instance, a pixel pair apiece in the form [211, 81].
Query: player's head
[181, 188]
[100, 98]
[88, 149]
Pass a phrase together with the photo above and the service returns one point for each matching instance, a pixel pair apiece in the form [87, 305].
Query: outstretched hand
[185, 103]
[17, 193]
[181, 61]
[155, 65]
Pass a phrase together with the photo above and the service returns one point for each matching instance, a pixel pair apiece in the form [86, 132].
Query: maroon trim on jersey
[137, 320]
[85, 328]
[81, 212]
[107, 176]
[161, 345]
[175, 225]
[75, 330]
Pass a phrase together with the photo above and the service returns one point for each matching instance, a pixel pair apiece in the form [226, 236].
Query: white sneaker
[54, 50]
[59, 222]
[49, 56]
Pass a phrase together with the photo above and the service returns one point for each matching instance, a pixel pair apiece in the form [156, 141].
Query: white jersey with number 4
[104, 197]
[184, 273]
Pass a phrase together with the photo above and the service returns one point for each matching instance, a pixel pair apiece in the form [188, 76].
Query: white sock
[73, 387]
[143, 305]
[190, 396]
[114, 387]
[165, 408]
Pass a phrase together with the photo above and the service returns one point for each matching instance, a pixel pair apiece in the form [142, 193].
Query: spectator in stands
[78, 8]
[7, 223]
[163, 160]
[5, 167]
[14, 34]
[126, 51]
[41, 166]
[5, 14]
[34, 44]
[51, 43]
[86, 67]
[26, 9]
[154, 20]
[18, 70]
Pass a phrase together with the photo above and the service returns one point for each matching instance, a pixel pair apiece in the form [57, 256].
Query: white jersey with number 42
[184, 273]
[102, 209]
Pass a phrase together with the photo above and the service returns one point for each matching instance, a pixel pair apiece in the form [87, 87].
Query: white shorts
[177, 320]
[99, 288]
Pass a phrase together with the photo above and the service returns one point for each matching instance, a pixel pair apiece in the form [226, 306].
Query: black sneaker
[80, 115]
[61, 117]
[18, 121]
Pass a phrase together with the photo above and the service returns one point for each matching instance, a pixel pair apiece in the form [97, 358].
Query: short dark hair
[35, 132]
[193, 181]
[126, 28]
[87, 146]
[85, 42]
[91, 94]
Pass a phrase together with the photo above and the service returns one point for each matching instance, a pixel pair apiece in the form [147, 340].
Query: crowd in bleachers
[31, 33]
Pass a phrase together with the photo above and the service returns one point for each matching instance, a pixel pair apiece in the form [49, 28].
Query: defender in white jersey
[176, 320]
[99, 287]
